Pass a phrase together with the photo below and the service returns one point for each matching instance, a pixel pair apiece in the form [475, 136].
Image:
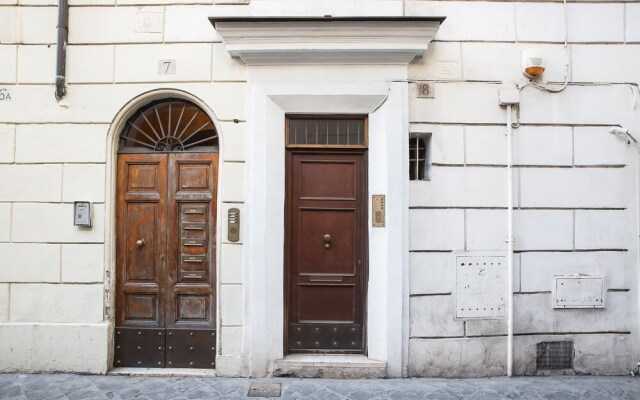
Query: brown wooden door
[165, 254]
[326, 246]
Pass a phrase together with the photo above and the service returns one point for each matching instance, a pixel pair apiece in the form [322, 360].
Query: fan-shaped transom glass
[169, 125]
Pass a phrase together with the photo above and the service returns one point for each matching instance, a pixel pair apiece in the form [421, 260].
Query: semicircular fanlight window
[168, 125]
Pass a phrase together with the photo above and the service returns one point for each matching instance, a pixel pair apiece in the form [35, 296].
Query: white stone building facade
[575, 185]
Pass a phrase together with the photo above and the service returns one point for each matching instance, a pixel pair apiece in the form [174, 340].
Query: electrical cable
[566, 59]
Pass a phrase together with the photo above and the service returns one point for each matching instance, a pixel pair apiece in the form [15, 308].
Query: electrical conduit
[509, 245]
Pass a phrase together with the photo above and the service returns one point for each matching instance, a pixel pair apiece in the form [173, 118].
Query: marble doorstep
[160, 372]
[329, 366]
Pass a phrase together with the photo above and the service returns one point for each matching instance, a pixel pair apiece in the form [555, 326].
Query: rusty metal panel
[325, 337]
[139, 347]
[191, 348]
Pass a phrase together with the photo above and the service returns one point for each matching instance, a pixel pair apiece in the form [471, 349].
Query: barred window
[419, 157]
[326, 131]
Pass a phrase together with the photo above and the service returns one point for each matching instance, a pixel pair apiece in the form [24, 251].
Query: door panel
[141, 221]
[165, 302]
[341, 186]
[191, 282]
[342, 255]
[326, 303]
[326, 242]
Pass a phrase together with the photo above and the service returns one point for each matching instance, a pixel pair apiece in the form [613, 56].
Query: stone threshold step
[329, 366]
[160, 372]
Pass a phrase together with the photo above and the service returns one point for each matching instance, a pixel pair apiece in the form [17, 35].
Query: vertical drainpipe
[61, 49]
[509, 244]
[511, 98]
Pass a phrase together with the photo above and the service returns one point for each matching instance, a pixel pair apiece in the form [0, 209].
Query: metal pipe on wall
[61, 48]
[509, 245]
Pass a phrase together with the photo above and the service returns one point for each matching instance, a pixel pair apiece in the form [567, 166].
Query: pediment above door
[330, 40]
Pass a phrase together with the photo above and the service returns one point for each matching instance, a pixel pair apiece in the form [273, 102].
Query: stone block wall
[574, 183]
[56, 305]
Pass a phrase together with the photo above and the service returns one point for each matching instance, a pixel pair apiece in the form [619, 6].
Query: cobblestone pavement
[76, 387]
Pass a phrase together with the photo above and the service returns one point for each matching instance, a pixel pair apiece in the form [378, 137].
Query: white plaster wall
[56, 286]
[574, 183]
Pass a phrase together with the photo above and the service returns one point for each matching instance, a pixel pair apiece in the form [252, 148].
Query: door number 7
[166, 67]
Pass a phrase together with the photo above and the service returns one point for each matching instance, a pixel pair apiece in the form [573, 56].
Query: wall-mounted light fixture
[533, 63]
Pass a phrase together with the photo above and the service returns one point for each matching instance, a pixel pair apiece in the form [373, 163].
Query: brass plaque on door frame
[378, 210]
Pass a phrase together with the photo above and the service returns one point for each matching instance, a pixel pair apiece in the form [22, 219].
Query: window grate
[419, 157]
[555, 355]
[326, 132]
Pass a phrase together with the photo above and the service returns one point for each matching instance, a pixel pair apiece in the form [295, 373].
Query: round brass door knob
[327, 241]
[140, 242]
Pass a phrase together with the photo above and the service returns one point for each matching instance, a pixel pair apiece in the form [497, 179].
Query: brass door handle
[327, 241]
[140, 242]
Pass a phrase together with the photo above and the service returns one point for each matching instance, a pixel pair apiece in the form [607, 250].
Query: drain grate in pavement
[264, 390]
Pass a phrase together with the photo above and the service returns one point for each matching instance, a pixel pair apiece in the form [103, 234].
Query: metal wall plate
[578, 291]
[325, 337]
[191, 348]
[265, 390]
[481, 285]
[139, 347]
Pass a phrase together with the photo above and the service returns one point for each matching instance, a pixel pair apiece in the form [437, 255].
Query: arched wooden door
[165, 246]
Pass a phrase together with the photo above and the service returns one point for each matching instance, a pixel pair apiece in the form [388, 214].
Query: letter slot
[82, 213]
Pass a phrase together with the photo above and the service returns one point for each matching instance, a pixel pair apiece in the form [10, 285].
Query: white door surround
[337, 66]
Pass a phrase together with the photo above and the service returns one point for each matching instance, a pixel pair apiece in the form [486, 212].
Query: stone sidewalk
[76, 387]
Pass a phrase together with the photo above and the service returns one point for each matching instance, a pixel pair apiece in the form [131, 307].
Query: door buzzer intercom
[377, 209]
[233, 225]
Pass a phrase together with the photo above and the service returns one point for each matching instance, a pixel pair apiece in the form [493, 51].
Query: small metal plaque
[265, 390]
[378, 210]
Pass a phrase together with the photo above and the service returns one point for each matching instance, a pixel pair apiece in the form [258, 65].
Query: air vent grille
[555, 355]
